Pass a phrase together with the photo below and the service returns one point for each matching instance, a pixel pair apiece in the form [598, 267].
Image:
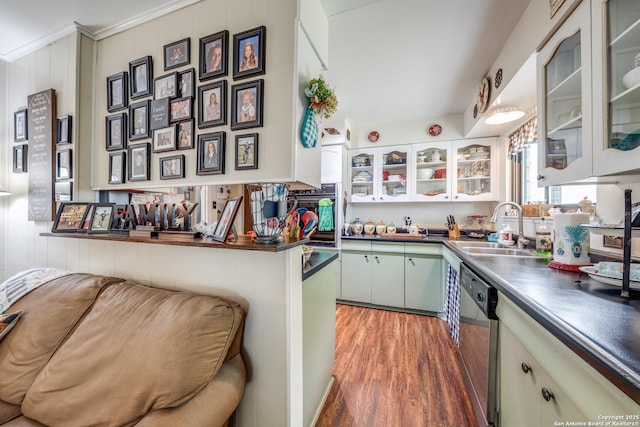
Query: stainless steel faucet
[522, 241]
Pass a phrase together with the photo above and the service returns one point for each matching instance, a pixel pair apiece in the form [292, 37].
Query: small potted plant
[322, 104]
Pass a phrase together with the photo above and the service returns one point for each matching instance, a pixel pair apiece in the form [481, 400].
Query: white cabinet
[332, 161]
[564, 102]
[380, 174]
[464, 170]
[616, 34]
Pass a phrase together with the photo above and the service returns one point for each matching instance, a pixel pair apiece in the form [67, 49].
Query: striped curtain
[522, 136]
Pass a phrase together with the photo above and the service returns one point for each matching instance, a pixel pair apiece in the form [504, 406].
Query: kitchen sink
[493, 249]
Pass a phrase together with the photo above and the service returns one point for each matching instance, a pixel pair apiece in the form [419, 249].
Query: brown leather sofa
[102, 351]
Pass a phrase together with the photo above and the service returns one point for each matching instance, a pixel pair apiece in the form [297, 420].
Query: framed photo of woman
[246, 105]
[249, 53]
[186, 83]
[225, 223]
[213, 55]
[213, 101]
[184, 130]
[139, 160]
[211, 153]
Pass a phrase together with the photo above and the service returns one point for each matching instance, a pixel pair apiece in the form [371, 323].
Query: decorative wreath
[323, 100]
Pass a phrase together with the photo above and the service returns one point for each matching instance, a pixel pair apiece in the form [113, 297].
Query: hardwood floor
[395, 370]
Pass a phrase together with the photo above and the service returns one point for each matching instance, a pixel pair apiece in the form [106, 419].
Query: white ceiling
[389, 60]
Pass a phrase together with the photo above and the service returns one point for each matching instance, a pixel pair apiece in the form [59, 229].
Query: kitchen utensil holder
[454, 233]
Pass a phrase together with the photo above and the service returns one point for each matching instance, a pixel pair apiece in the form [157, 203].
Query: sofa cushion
[8, 411]
[139, 349]
[50, 312]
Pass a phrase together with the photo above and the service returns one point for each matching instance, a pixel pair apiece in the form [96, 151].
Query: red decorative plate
[373, 136]
[435, 130]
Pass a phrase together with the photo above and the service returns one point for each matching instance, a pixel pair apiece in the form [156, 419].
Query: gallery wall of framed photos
[179, 109]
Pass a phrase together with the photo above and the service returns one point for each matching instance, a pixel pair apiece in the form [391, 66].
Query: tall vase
[309, 130]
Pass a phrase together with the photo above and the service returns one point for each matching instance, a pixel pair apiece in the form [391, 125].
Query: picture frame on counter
[184, 132]
[63, 130]
[181, 109]
[63, 164]
[166, 86]
[172, 167]
[246, 105]
[63, 191]
[212, 110]
[225, 223]
[177, 54]
[246, 151]
[139, 121]
[70, 217]
[141, 77]
[117, 166]
[116, 132]
[139, 162]
[249, 53]
[164, 139]
[20, 155]
[213, 56]
[117, 91]
[100, 218]
[159, 113]
[20, 125]
[186, 83]
[211, 153]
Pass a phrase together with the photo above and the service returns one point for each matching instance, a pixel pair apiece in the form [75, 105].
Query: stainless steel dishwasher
[479, 343]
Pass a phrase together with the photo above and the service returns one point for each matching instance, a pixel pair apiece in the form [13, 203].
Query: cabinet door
[474, 170]
[362, 171]
[558, 406]
[616, 96]
[331, 170]
[564, 102]
[430, 167]
[387, 279]
[394, 174]
[356, 276]
[423, 283]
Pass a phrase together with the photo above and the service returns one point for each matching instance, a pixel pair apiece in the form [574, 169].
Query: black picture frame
[181, 109]
[116, 132]
[139, 120]
[20, 125]
[172, 167]
[117, 167]
[158, 113]
[214, 56]
[186, 83]
[117, 91]
[228, 216]
[141, 77]
[246, 152]
[20, 153]
[243, 117]
[164, 139]
[100, 218]
[254, 64]
[64, 167]
[211, 164]
[209, 115]
[139, 162]
[166, 86]
[63, 130]
[185, 134]
[70, 217]
[177, 54]
[63, 191]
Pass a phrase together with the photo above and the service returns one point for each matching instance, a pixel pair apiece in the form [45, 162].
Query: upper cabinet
[616, 26]
[564, 102]
[380, 174]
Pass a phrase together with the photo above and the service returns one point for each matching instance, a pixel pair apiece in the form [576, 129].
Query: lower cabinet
[393, 274]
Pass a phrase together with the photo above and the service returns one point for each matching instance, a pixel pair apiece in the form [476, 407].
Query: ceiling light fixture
[504, 114]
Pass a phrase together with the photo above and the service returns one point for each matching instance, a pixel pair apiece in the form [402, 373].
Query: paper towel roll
[570, 240]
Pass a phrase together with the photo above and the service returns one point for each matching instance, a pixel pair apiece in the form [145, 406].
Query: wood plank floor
[395, 370]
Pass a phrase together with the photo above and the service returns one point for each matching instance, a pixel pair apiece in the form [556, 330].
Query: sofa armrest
[211, 407]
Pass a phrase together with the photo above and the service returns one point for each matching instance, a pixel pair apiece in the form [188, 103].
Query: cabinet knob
[377, 260]
[373, 198]
[455, 197]
[540, 177]
[547, 395]
[366, 257]
[446, 197]
[525, 368]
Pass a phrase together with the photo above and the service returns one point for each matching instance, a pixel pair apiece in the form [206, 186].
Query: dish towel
[452, 303]
[325, 214]
[20, 284]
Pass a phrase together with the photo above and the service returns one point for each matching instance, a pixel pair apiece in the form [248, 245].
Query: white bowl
[632, 78]
[425, 173]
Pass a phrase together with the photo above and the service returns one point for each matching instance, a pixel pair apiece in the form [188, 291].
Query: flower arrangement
[323, 100]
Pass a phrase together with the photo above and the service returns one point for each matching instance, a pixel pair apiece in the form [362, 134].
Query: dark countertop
[318, 260]
[588, 316]
[402, 237]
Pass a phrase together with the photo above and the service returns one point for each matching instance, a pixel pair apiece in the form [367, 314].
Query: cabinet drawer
[356, 245]
[390, 248]
[423, 248]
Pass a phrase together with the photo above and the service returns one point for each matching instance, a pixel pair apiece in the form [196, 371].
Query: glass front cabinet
[380, 174]
[616, 26]
[564, 102]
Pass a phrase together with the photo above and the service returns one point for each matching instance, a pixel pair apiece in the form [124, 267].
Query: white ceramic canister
[570, 239]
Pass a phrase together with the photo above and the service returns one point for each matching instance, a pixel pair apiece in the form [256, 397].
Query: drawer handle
[547, 395]
[377, 260]
[525, 368]
[366, 257]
